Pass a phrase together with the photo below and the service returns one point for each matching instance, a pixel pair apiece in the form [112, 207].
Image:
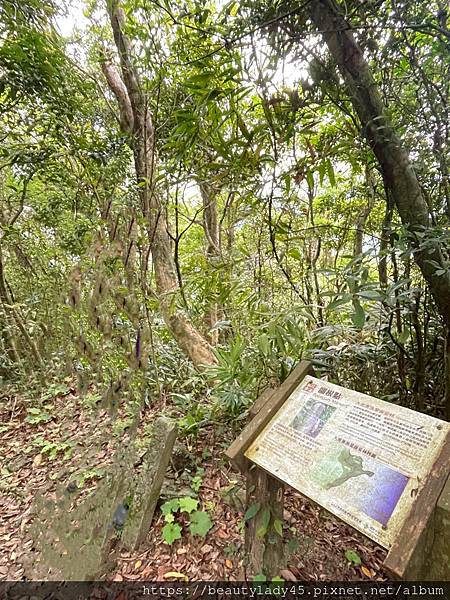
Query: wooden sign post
[263, 543]
[381, 468]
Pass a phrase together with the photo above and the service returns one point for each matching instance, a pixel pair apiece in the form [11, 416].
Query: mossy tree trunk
[136, 122]
[398, 173]
[393, 158]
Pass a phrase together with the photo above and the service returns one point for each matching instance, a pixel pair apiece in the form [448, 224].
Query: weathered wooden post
[265, 494]
[438, 563]
[421, 550]
[263, 534]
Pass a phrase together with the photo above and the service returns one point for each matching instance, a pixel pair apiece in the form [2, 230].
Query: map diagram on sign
[361, 458]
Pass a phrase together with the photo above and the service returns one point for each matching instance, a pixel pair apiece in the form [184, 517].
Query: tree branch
[119, 90]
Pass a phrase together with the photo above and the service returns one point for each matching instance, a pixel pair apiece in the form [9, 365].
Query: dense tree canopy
[193, 197]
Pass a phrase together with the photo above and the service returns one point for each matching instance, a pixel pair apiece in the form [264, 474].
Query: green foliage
[292, 546]
[37, 416]
[265, 520]
[353, 557]
[55, 389]
[190, 423]
[121, 425]
[308, 259]
[278, 527]
[54, 449]
[188, 504]
[88, 475]
[252, 511]
[358, 316]
[171, 532]
[170, 506]
[199, 522]
[197, 479]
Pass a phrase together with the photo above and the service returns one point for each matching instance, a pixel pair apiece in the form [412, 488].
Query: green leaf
[169, 518]
[370, 295]
[344, 299]
[170, 506]
[188, 504]
[322, 167]
[330, 171]
[233, 9]
[287, 179]
[252, 511]
[295, 254]
[200, 523]
[353, 557]
[265, 520]
[292, 546]
[403, 337]
[358, 316]
[264, 344]
[171, 532]
[278, 526]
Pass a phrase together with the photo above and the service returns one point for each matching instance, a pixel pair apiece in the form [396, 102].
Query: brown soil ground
[27, 468]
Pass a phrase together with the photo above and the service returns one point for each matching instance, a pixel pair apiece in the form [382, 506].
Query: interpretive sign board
[363, 459]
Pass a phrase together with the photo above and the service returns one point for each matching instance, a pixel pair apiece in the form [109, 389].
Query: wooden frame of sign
[265, 553]
[421, 549]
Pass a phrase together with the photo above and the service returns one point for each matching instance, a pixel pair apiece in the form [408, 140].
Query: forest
[195, 197]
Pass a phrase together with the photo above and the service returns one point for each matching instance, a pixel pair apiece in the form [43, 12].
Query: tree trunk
[312, 256]
[363, 214]
[8, 305]
[136, 121]
[394, 161]
[212, 234]
[447, 374]
[419, 355]
[384, 244]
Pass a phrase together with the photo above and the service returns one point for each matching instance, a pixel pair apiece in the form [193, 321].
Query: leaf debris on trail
[318, 540]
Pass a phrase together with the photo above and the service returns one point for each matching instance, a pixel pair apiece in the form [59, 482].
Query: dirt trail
[37, 457]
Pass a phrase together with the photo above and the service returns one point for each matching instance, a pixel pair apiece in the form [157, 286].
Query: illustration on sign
[359, 457]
